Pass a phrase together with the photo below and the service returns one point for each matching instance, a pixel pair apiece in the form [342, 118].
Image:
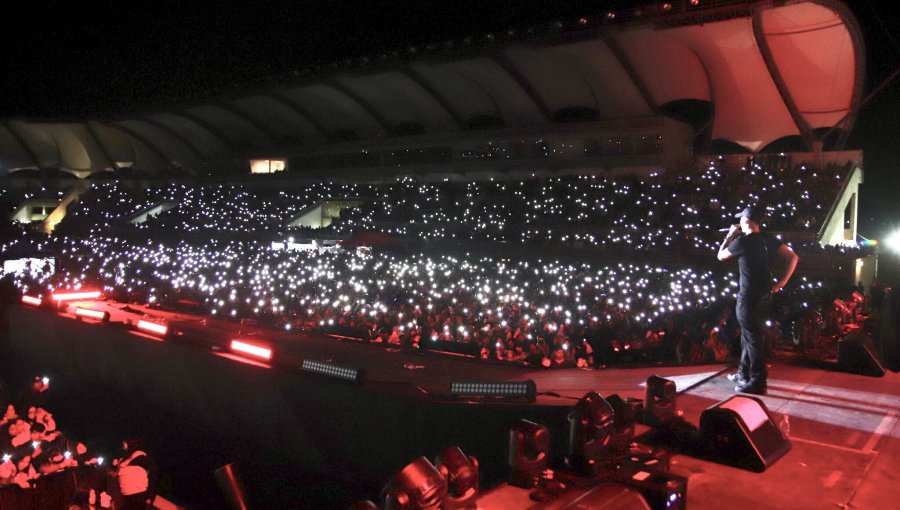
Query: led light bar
[31, 300]
[241, 347]
[93, 314]
[317, 367]
[153, 327]
[69, 296]
[519, 389]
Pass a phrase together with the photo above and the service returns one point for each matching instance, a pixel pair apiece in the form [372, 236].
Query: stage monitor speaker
[856, 355]
[740, 432]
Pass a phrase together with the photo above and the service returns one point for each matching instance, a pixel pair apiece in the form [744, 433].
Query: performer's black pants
[750, 312]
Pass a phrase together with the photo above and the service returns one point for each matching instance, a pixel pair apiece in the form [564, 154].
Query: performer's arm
[724, 254]
[792, 258]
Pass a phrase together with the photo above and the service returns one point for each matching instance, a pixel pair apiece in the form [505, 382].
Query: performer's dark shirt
[752, 252]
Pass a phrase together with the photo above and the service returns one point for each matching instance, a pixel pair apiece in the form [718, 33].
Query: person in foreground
[752, 247]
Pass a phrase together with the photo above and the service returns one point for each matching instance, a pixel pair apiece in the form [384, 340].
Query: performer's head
[751, 219]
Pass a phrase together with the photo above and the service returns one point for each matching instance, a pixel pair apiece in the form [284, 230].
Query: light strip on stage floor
[152, 327]
[31, 300]
[242, 347]
[92, 314]
[69, 296]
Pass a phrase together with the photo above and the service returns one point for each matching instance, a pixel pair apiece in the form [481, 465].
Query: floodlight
[419, 486]
[461, 473]
[591, 449]
[529, 453]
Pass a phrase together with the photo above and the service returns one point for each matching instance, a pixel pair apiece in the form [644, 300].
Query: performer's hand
[734, 229]
[778, 287]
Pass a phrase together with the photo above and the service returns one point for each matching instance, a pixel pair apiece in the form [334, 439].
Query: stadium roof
[764, 71]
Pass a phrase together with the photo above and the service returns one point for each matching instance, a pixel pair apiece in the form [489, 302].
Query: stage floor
[843, 427]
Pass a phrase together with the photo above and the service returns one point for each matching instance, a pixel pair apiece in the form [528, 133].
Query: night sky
[77, 60]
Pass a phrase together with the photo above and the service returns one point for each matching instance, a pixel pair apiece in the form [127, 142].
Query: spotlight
[419, 486]
[529, 453]
[591, 450]
[461, 473]
[659, 401]
[31, 300]
[92, 314]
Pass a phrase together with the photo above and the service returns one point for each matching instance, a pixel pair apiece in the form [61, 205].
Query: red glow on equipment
[68, 296]
[159, 329]
[241, 347]
[31, 300]
[93, 314]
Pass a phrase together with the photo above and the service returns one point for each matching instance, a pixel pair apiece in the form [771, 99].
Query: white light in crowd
[893, 241]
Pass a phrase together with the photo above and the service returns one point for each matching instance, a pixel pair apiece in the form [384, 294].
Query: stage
[843, 427]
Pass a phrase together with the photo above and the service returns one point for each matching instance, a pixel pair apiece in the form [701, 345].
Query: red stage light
[93, 314]
[68, 296]
[159, 329]
[31, 300]
[242, 347]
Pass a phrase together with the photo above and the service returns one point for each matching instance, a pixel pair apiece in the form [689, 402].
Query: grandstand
[502, 198]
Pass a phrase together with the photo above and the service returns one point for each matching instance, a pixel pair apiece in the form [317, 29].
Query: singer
[752, 247]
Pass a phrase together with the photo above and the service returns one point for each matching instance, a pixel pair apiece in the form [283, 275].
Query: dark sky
[71, 59]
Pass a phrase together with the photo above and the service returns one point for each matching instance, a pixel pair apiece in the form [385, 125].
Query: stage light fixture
[659, 401]
[623, 427]
[353, 375]
[31, 300]
[591, 448]
[152, 327]
[419, 486]
[244, 348]
[92, 314]
[70, 296]
[461, 474]
[526, 390]
[529, 453]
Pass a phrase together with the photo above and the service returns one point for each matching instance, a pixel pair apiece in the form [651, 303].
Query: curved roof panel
[281, 119]
[465, 96]
[812, 77]
[13, 154]
[769, 70]
[668, 66]
[335, 110]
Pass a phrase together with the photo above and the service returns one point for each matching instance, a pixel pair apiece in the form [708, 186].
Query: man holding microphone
[752, 247]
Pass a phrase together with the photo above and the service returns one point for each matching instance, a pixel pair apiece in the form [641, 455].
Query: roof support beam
[175, 134]
[19, 138]
[805, 130]
[632, 73]
[420, 80]
[507, 65]
[141, 138]
[483, 89]
[253, 121]
[103, 150]
[301, 112]
[374, 113]
[208, 126]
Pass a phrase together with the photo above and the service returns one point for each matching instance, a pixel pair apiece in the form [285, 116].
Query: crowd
[520, 308]
[36, 453]
[682, 210]
[506, 309]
